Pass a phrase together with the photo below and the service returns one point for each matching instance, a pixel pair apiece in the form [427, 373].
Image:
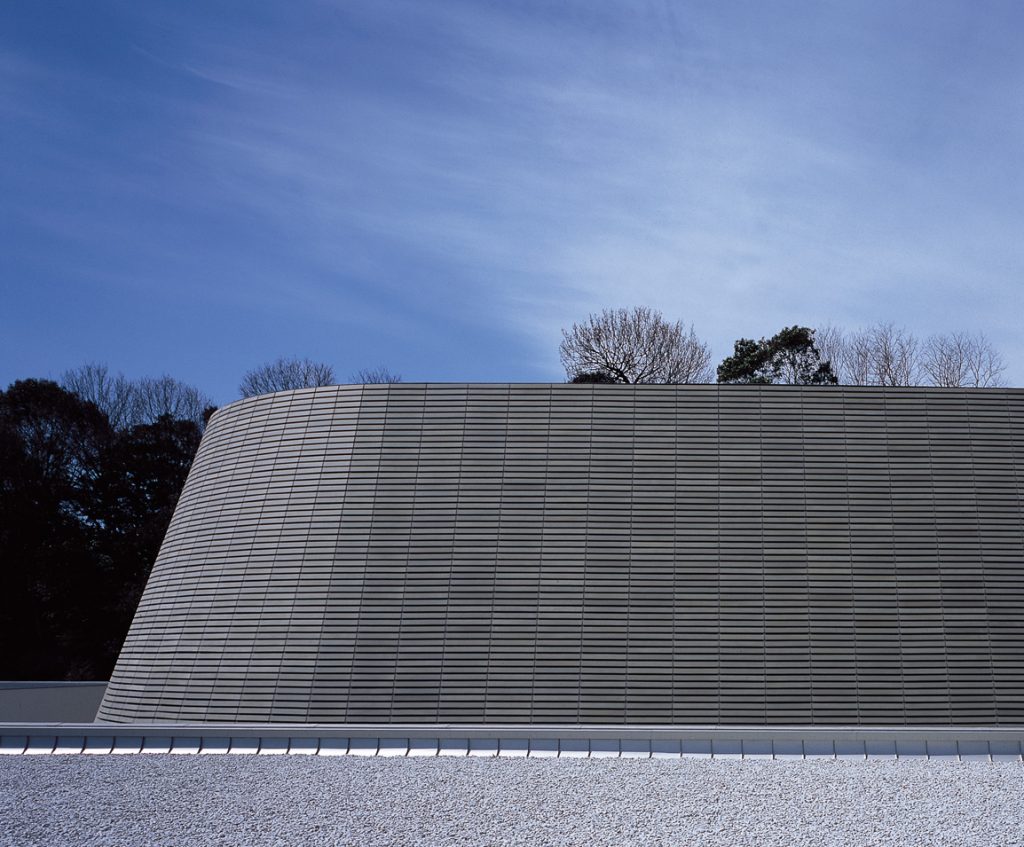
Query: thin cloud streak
[431, 173]
[610, 195]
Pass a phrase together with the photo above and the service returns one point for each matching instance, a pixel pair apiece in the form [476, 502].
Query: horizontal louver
[592, 554]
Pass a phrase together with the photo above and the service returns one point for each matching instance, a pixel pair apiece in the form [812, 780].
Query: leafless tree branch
[113, 394]
[963, 359]
[164, 395]
[831, 343]
[882, 354]
[635, 346]
[128, 403]
[381, 375]
[284, 375]
[886, 355]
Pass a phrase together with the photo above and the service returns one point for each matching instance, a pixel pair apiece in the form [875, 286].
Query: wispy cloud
[445, 173]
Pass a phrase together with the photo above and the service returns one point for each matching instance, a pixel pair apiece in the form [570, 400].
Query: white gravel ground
[292, 800]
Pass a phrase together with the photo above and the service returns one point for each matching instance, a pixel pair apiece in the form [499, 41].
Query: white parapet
[975, 744]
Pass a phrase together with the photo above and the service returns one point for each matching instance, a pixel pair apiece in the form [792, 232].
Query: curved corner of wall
[233, 610]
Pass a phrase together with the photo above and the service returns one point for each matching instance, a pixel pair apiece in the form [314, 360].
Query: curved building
[594, 554]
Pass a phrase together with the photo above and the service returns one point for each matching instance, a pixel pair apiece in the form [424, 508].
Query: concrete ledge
[186, 745]
[41, 744]
[1002, 744]
[274, 746]
[244, 745]
[70, 744]
[333, 747]
[156, 744]
[127, 744]
[304, 746]
[453, 747]
[213, 745]
[14, 745]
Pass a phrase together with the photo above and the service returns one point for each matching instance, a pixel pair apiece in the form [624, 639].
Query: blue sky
[438, 187]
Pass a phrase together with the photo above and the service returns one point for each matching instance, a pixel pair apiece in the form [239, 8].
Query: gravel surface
[290, 800]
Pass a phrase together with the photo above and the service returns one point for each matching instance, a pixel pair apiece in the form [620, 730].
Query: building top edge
[378, 388]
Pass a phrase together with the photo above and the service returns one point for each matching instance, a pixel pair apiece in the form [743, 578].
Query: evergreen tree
[789, 357]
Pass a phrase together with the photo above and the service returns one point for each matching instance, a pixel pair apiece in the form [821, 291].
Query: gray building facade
[594, 554]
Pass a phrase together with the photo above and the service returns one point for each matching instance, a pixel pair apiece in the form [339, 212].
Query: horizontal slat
[592, 554]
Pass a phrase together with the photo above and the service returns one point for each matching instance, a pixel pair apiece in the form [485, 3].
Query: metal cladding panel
[592, 554]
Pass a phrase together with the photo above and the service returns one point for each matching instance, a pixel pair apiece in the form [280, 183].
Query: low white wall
[70, 702]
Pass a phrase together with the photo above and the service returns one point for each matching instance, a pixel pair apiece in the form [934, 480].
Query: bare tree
[858, 359]
[879, 355]
[164, 395]
[985, 364]
[894, 355]
[962, 359]
[635, 346]
[886, 355]
[831, 342]
[286, 374]
[113, 394]
[381, 375]
[128, 403]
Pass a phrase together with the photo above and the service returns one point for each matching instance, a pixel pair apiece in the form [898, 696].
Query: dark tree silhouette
[594, 376]
[83, 510]
[128, 403]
